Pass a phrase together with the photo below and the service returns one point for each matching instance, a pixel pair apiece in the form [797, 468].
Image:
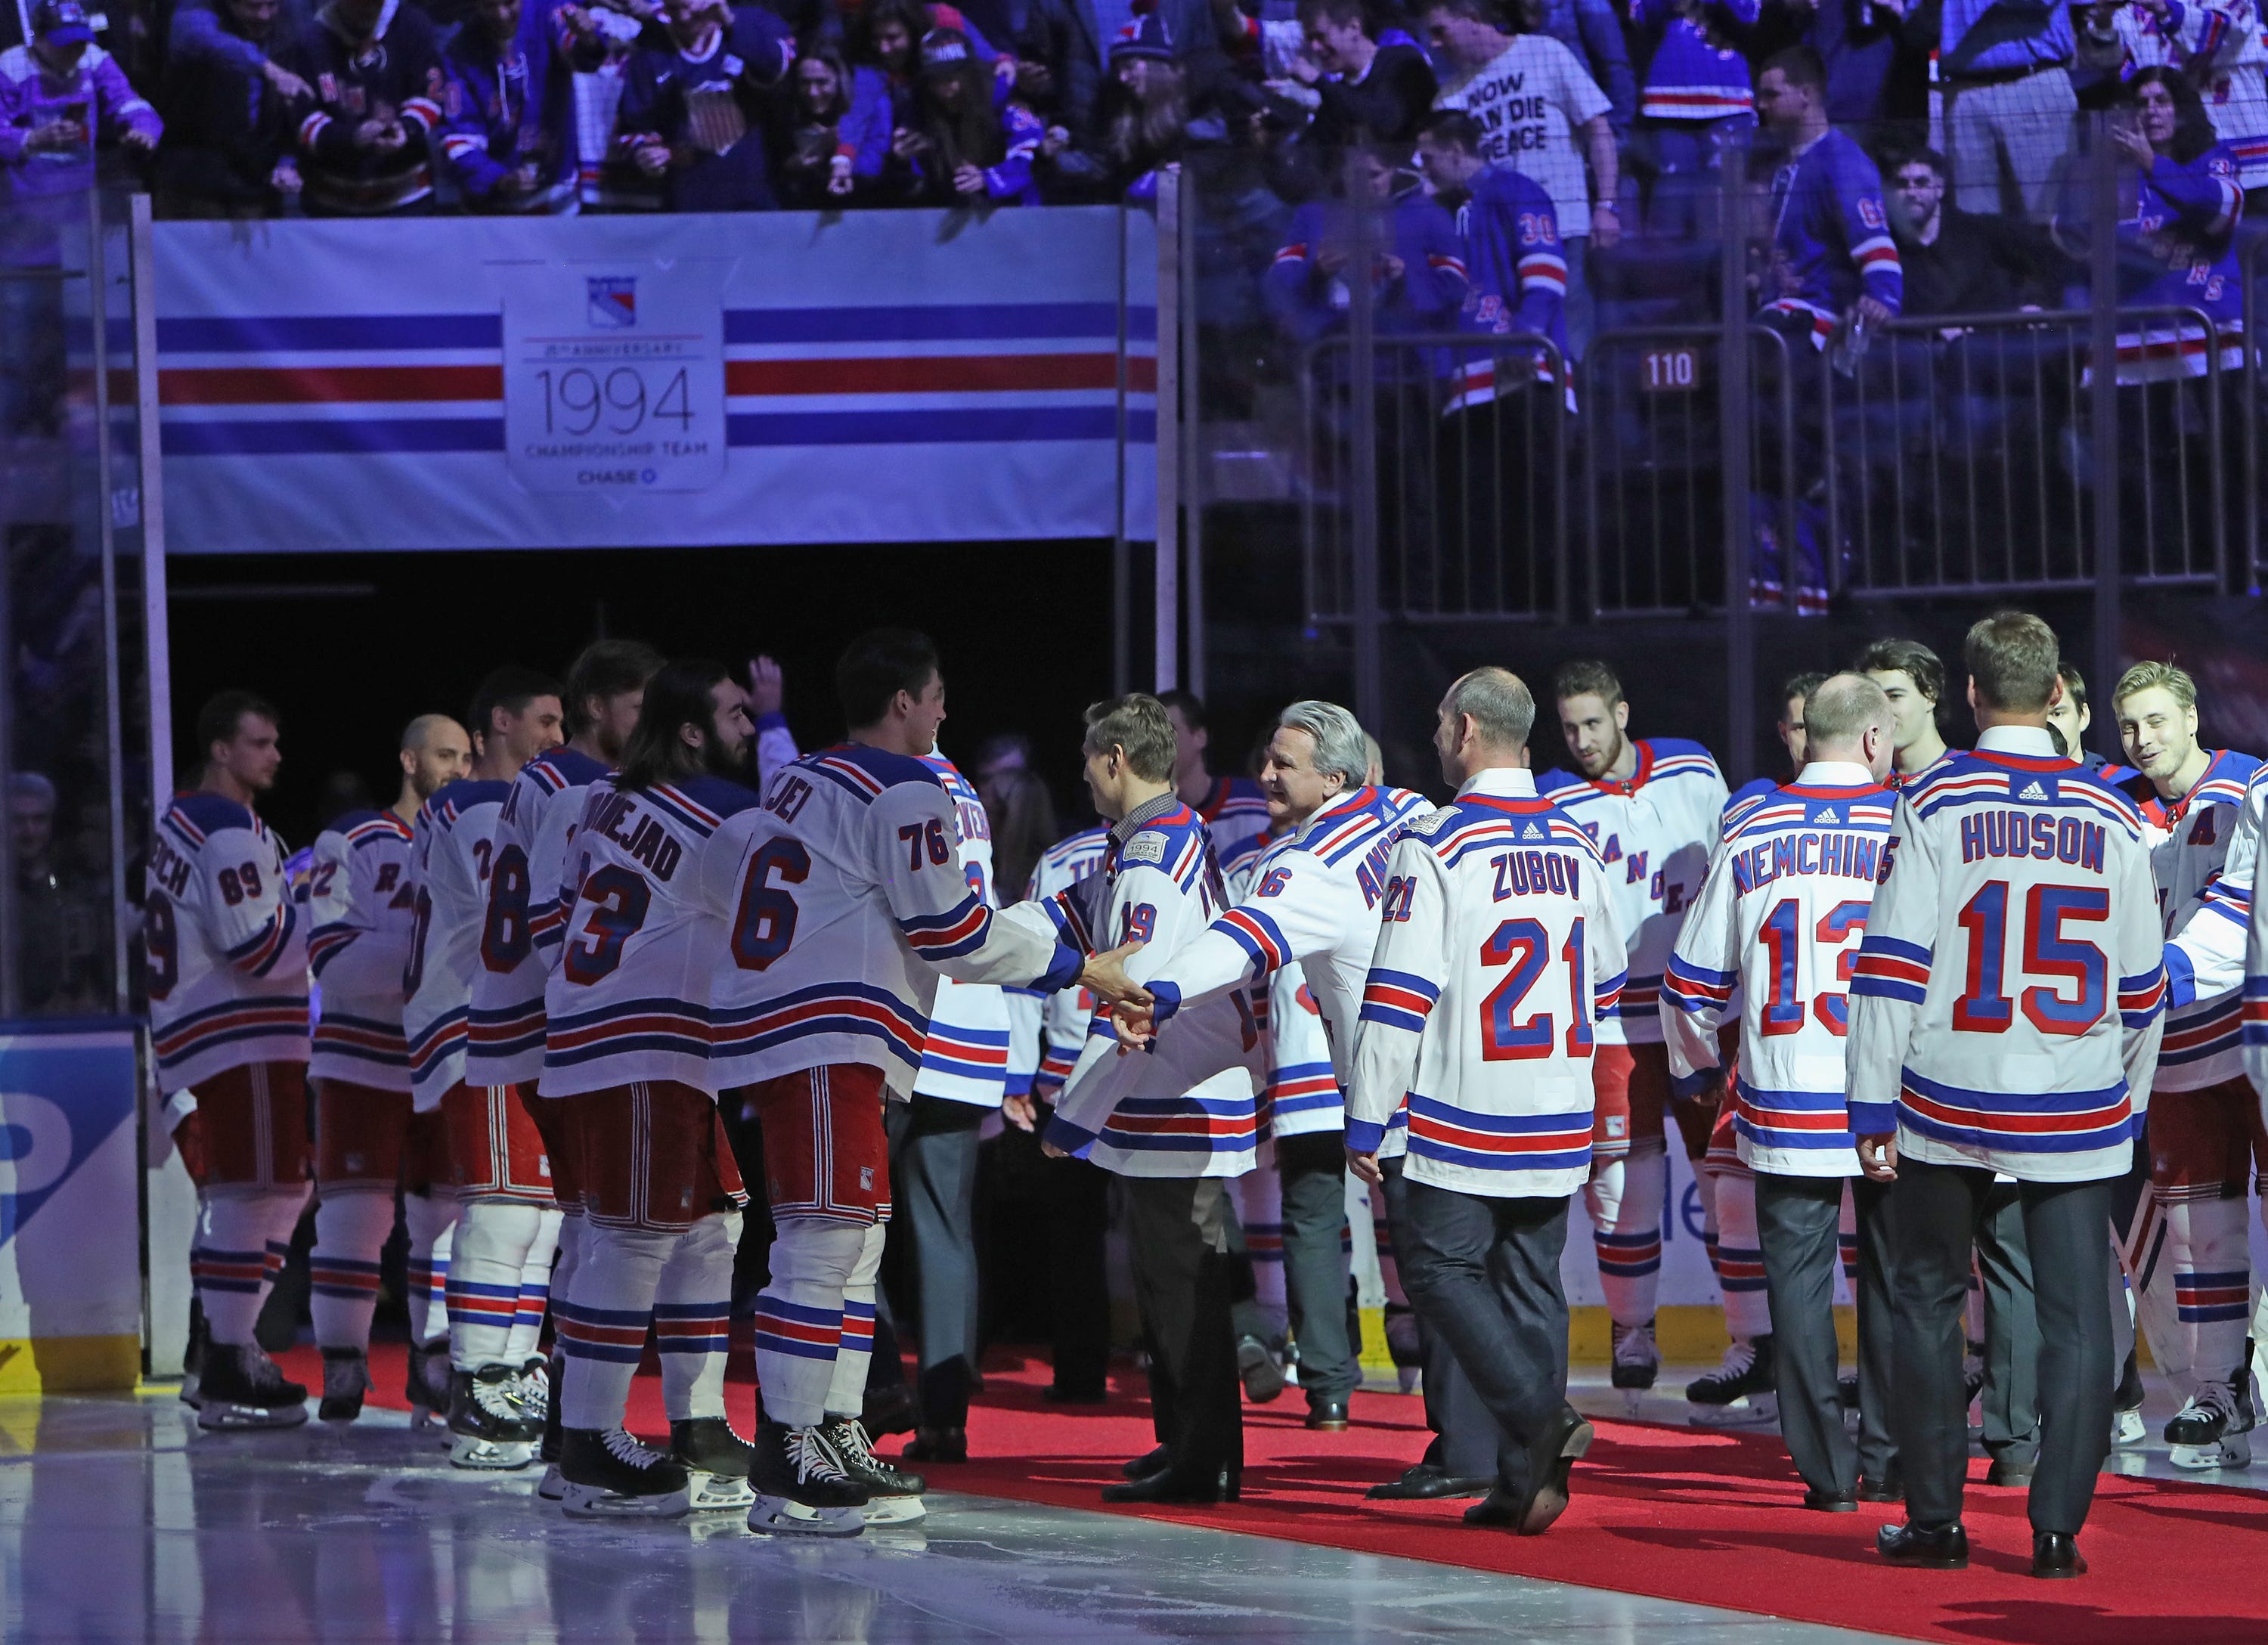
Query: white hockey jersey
[1233, 811]
[1314, 903]
[521, 923]
[2202, 856]
[1779, 923]
[2007, 1002]
[227, 949]
[1656, 832]
[845, 899]
[1187, 1106]
[1302, 1086]
[628, 1000]
[449, 858]
[1498, 953]
[1050, 1029]
[361, 909]
[964, 1059]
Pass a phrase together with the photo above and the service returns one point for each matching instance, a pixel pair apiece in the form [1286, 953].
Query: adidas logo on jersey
[1827, 815]
[2032, 791]
[1532, 833]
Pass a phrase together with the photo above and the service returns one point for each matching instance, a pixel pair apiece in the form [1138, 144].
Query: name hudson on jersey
[1838, 856]
[2032, 834]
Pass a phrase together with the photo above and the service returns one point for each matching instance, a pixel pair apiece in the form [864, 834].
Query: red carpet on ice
[1680, 1514]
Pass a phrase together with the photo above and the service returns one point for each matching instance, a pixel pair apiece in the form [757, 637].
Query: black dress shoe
[937, 1445]
[1425, 1482]
[1057, 1396]
[1550, 1456]
[1500, 1506]
[1328, 1414]
[2010, 1471]
[1924, 1547]
[1147, 1464]
[2056, 1555]
[1889, 1489]
[1831, 1502]
[1166, 1486]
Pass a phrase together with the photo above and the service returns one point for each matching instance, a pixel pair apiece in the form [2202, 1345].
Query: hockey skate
[427, 1386]
[553, 1487]
[1636, 1361]
[716, 1461]
[2214, 1429]
[2127, 1429]
[242, 1388]
[193, 1357]
[346, 1379]
[610, 1475]
[488, 1429]
[802, 1487]
[1741, 1392]
[895, 1496]
[530, 1391]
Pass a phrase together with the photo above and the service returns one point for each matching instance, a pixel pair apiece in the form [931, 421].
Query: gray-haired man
[1314, 903]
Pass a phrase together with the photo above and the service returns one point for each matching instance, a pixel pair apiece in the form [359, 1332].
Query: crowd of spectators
[1619, 108]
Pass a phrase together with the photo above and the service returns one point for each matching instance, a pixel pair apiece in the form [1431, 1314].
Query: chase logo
[84, 1091]
[613, 301]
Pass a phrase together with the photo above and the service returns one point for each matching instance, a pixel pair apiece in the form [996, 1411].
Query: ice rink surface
[120, 1520]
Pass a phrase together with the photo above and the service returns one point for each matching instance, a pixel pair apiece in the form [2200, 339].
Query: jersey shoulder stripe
[868, 773]
[562, 768]
[196, 816]
[1086, 846]
[375, 828]
[1230, 795]
[700, 804]
[449, 803]
[950, 779]
[1245, 849]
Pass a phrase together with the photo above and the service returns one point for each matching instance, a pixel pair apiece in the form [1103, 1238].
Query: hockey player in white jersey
[361, 907]
[1913, 678]
[1651, 808]
[1232, 809]
[2205, 1136]
[1498, 952]
[963, 1079]
[227, 978]
[844, 899]
[1050, 1031]
[1778, 922]
[626, 1053]
[496, 1163]
[1176, 1123]
[2006, 1011]
[518, 948]
[1311, 909]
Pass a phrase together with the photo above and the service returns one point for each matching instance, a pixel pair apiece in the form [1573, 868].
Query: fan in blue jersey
[1832, 256]
[2177, 216]
[1416, 268]
[690, 112]
[1696, 95]
[509, 141]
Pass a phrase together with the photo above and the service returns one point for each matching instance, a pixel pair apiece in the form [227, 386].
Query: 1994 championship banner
[663, 381]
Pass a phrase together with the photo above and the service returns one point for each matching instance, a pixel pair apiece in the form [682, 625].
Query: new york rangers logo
[613, 302]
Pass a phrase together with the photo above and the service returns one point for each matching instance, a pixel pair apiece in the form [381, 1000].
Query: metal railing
[1467, 435]
[1959, 452]
[1654, 491]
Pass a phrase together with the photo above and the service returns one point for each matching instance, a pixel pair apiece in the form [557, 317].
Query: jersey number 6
[765, 924]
